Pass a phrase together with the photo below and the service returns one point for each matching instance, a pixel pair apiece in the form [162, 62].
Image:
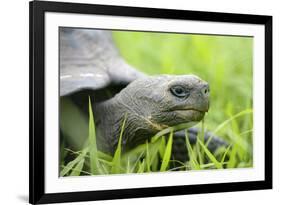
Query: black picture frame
[37, 11]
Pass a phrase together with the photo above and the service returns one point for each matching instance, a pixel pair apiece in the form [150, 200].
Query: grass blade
[192, 157]
[174, 129]
[167, 154]
[225, 153]
[134, 167]
[66, 169]
[116, 161]
[162, 147]
[210, 155]
[223, 124]
[128, 166]
[148, 160]
[141, 167]
[233, 157]
[78, 168]
[94, 162]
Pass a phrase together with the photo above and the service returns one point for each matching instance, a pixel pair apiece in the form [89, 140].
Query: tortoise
[90, 65]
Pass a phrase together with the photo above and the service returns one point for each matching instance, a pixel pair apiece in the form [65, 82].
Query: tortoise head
[167, 100]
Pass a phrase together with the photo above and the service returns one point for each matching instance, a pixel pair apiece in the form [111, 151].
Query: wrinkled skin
[150, 104]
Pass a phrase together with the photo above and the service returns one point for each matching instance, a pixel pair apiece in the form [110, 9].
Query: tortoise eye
[179, 91]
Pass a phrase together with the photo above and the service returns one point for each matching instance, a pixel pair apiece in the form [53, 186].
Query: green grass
[155, 155]
[224, 62]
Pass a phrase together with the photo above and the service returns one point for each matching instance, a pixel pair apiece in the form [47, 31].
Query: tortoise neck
[105, 117]
[110, 115]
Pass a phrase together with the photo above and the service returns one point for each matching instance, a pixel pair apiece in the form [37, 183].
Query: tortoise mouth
[179, 116]
[191, 109]
[188, 115]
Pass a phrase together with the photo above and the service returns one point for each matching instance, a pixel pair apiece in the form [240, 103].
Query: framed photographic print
[140, 102]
